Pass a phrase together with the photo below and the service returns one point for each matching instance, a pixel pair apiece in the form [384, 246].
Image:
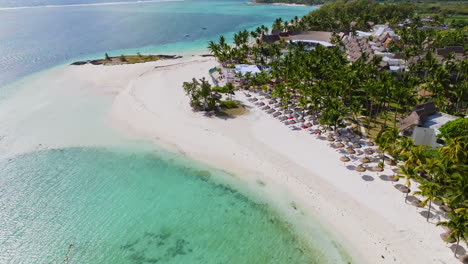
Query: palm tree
[430, 166]
[458, 225]
[408, 173]
[456, 150]
[229, 88]
[431, 190]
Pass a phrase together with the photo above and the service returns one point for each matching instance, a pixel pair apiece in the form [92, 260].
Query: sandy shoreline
[146, 101]
[369, 214]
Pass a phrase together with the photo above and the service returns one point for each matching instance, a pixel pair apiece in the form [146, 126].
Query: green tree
[431, 191]
[454, 128]
[409, 173]
[458, 224]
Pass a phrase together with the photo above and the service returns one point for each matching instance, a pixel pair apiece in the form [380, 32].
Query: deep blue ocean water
[34, 39]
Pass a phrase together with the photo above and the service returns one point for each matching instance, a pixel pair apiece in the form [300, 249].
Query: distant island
[126, 59]
[297, 2]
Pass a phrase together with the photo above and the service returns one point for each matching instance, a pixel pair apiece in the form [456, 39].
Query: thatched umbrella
[315, 122]
[350, 151]
[364, 160]
[339, 145]
[370, 143]
[391, 162]
[344, 159]
[271, 111]
[463, 259]
[308, 124]
[447, 238]
[360, 168]
[248, 95]
[292, 122]
[356, 145]
[403, 189]
[301, 120]
[267, 96]
[345, 139]
[261, 104]
[282, 118]
[377, 168]
[266, 107]
[295, 115]
[445, 208]
[393, 178]
[330, 138]
[289, 111]
[276, 114]
[416, 202]
[368, 151]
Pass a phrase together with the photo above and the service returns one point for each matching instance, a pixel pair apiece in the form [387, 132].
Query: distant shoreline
[127, 59]
[284, 4]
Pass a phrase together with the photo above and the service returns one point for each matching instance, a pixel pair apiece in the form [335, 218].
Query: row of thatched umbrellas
[288, 115]
[293, 117]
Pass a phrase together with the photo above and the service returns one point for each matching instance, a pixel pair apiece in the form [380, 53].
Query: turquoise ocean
[121, 202]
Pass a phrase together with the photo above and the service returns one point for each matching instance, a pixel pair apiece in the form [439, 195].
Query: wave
[93, 4]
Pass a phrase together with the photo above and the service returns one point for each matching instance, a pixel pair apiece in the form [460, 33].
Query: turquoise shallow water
[126, 206]
[120, 205]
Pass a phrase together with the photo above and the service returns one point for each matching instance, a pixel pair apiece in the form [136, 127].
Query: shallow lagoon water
[132, 206]
[121, 205]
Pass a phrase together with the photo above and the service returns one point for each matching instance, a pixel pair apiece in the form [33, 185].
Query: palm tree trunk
[429, 212]
[406, 197]
[456, 247]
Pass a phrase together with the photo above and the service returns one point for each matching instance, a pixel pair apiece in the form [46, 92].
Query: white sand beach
[366, 214]
[369, 214]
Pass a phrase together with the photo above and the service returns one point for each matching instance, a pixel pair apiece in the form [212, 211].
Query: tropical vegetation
[324, 83]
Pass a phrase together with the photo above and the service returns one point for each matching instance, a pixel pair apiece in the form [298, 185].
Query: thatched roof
[446, 237]
[447, 50]
[269, 38]
[339, 145]
[360, 168]
[313, 35]
[364, 160]
[344, 159]
[418, 116]
[377, 168]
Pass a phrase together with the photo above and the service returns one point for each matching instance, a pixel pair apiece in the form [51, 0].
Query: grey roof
[435, 121]
[445, 51]
[313, 35]
[269, 38]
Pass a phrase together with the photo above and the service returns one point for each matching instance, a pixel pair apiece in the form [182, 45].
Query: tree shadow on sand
[367, 178]
[384, 177]
[460, 251]
[424, 214]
